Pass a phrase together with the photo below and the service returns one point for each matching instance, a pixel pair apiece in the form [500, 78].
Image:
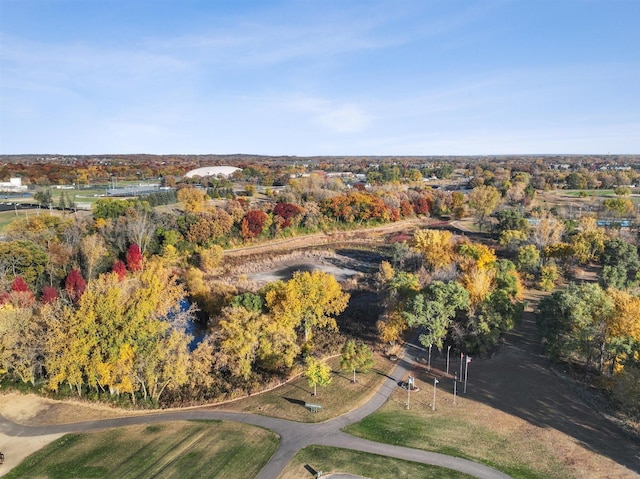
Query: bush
[626, 390]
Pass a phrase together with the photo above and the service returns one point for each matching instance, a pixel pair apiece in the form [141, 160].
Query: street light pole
[461, 358]
[448, 349]
[429, 365]
[433, 404]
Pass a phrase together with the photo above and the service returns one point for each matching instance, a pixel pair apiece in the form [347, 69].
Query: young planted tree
[318, 373]
[356, 357]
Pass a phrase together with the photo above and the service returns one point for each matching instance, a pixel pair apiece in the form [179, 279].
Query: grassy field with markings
[180, 450]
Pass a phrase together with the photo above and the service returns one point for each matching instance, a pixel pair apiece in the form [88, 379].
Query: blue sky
[319, 77]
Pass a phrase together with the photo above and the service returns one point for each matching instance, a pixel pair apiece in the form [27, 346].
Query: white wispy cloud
[337, 116]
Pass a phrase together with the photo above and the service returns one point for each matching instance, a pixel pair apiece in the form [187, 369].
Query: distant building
[14, 185]
[212, 171]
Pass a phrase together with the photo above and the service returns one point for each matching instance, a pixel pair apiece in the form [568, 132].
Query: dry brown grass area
[481, 431]
[32, 410]
[340, 397]
[363, 235]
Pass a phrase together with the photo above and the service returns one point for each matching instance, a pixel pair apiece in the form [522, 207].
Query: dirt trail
[363, 235]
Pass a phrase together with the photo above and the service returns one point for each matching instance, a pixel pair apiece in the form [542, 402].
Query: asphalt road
[293, 435]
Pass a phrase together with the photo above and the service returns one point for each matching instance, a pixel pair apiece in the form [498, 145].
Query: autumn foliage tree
[317, 373]
[356, 357]
[484, 200]
[75, 284]
[120, 269]
[118, 339]
[309, 300]
[191, 199]
[135, 258]
[437, 247]
[253, 223]
[288, 212]
[49, 295]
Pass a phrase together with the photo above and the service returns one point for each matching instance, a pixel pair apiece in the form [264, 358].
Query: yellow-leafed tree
[309, 300]
[437, 247]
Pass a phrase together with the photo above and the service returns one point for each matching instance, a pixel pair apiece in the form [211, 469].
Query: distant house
[14, 185]
[224, 171]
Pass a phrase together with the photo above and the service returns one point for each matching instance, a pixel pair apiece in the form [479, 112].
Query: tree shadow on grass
[522, 382]
[299, 402]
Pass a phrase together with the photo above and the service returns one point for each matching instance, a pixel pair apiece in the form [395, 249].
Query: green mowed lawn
[180, 449]
[339, 397]
[334, 460]
[7, 217]
[447, 431]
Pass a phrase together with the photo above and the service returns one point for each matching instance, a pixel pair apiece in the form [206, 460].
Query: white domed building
[224, 171]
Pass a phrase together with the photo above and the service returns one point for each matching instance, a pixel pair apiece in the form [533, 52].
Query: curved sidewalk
[293, 435]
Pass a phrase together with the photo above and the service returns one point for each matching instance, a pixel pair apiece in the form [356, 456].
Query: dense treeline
[574, 172]
[119, 283]
[459, 293]
[125, 333]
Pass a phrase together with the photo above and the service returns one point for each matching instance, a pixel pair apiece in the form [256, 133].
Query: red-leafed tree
[287, 211]
[75, 284]
[406, 209]
[253, 223]
[422, 205]
[49, 295]
[134, 258]
[120, 269]
[19, 285]
[356, 207]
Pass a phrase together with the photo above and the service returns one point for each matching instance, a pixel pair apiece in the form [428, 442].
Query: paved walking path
[293, 435]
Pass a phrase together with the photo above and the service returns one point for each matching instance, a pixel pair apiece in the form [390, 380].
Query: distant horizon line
[326, 156]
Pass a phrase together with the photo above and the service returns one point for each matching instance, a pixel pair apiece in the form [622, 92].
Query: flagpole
[433, 405]
[455, 388]
[448, 349]
[409, 386]
[466, 373]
